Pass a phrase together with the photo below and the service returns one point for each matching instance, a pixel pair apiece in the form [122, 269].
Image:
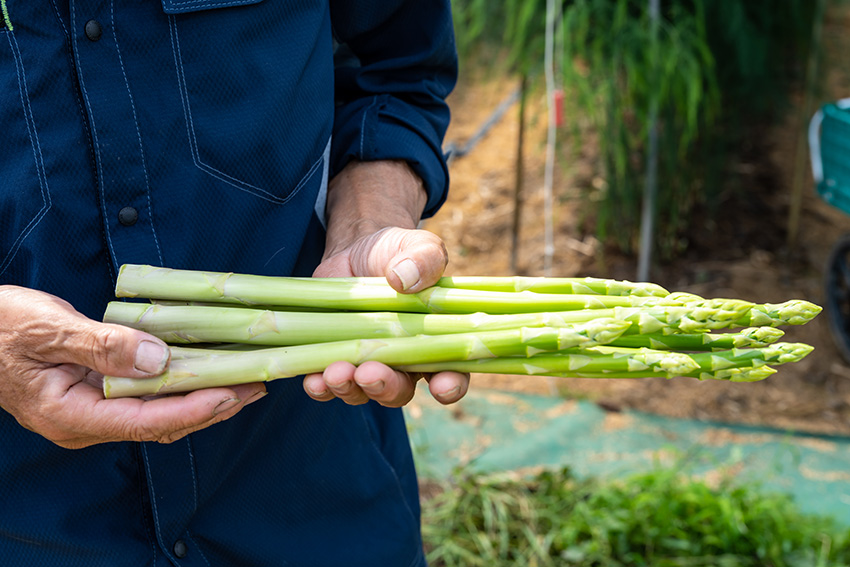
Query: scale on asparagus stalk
[259, 328]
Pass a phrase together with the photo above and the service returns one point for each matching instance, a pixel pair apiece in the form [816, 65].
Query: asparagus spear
[202, 324]
[282, 362]
[585, 286]
[746, 338]
[223, 323]
[354, 294]
[736, 365]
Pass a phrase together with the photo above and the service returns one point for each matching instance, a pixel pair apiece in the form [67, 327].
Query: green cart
[829, 142]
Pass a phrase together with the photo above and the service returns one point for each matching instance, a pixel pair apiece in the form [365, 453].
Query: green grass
[663, 518]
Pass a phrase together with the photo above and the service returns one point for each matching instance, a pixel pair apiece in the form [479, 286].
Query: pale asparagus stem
[206, 324]
[584, 286]
[179, 353]
[221, 323]
[746, 338]
[169, 284]
[281, 362]
[737, 365]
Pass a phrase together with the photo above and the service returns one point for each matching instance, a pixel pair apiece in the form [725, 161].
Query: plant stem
[746, 338]
[737, 365]
[171, 284]
[281, 362]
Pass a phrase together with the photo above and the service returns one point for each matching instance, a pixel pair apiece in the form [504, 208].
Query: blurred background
[668, 141]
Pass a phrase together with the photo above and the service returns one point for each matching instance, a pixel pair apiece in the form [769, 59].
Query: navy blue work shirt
[201, 134]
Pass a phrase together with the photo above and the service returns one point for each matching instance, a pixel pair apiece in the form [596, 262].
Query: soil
[744, 253]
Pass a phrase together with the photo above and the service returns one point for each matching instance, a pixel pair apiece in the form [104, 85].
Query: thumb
[113, 350]
[419, 262]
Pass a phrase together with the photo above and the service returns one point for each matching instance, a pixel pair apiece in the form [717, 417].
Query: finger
[315, 387]
[384, 385]
[223, 412]
[339, 378]
[420, 262]
[81, 409]
[448, 387]
[113, 350]
[48, 329]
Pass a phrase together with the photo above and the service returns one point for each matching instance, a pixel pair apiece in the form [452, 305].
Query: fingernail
[343, 388]
[375, 387]
[408, 272]
[256, 397]
[151, 357]
[227, 404]
[314, 393]
[450, 395]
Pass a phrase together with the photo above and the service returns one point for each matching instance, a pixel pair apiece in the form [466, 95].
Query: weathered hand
[411, 260]
[373, 209]
[52, 360]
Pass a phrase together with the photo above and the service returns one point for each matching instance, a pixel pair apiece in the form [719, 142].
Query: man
[201, 134]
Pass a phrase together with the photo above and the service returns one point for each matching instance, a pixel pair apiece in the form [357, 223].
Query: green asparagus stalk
[208, 324]
[353, 295]
[583, 286]
[223, 323]
[736, 365]
[752, 337]
[281, 362]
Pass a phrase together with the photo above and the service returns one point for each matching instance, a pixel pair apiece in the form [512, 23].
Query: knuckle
[103, 342]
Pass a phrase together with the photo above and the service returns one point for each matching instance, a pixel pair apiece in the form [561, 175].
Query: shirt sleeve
[395, 64]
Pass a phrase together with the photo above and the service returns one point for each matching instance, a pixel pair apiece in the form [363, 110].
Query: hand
[52, 360]
[373, 209]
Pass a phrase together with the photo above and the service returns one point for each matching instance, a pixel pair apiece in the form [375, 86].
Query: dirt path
[743, 255]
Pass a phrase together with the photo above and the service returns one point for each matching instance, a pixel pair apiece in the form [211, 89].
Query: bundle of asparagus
[250, 328]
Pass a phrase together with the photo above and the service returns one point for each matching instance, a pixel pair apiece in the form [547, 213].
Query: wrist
[366, 197]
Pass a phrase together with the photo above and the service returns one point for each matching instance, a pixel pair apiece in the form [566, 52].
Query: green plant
[710, 71]
[663, 518]
[622, 70]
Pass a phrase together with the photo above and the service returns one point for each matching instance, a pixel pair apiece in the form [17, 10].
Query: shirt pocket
[243, 95]
[24, 193]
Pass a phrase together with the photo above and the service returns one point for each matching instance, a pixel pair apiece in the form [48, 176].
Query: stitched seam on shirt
[138, 131]
[153, 499]
[151, 537]
[98, 159]
[36, 150]
[194, 474]
[207, 3]
[71, 65]
[194, 493]
[204, 557]
[363, 124]
[190, 127]
[6, 20]
[392, 470]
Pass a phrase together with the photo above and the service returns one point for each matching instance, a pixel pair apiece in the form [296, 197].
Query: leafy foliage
[707, 71]
[660, 519]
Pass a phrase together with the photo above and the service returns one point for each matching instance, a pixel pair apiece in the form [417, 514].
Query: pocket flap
[183, 6]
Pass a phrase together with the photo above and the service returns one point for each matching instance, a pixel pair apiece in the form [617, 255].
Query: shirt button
[128, 216]
[180, 549]
[93, 30]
